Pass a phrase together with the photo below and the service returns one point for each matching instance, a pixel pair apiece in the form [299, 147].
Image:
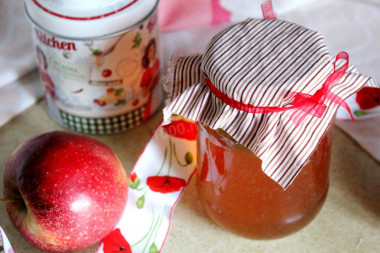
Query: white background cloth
[19, 86]
[16, 49]
[347, 25]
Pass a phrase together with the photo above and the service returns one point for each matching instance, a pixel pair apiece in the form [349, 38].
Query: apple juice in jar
[239, 196]
[264, 94]
[98, 61]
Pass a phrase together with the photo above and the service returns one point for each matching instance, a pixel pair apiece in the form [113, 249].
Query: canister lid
[82, 19]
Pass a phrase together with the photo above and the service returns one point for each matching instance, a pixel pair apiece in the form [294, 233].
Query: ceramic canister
[98, 61]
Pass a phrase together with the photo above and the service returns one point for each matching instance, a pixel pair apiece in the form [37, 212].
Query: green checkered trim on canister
[109, 125]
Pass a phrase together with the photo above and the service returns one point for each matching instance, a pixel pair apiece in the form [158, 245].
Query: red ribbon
[303, 104]
[267, 9]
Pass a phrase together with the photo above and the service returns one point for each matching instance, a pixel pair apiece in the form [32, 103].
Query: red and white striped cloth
[263, 64]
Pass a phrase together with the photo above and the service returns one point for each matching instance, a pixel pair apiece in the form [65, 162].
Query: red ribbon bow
[315, 104]
[303, 104]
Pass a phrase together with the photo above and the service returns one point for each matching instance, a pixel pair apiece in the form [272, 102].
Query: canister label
[101, 85]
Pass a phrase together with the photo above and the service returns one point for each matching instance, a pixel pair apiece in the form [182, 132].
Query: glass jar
[240, 197]
[274, 88]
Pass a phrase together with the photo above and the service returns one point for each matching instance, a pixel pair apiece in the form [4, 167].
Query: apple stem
[10, 200]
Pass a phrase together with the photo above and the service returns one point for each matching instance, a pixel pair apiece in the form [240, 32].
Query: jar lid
[270, 84]
[82, 19]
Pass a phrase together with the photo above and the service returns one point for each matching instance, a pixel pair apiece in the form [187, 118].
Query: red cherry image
[110, 90]
[135, 102]
[106, 73]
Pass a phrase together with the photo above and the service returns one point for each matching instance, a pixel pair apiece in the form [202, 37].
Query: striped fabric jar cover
[264, 64]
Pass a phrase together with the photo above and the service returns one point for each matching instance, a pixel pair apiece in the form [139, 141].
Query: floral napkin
[155, 186]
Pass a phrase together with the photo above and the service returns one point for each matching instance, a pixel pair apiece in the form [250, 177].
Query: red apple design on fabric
[367, 98]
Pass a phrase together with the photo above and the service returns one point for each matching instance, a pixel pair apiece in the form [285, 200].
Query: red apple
[71, 191]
